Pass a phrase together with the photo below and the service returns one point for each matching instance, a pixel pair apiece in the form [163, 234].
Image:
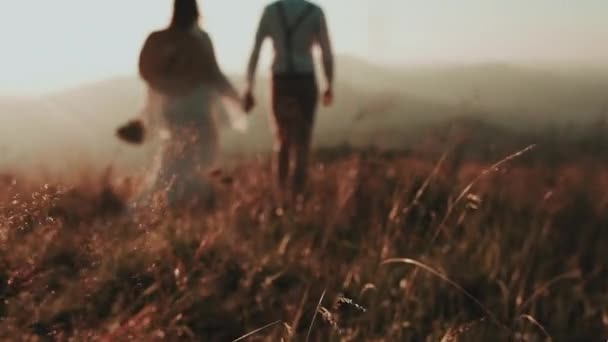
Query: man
[295, 27]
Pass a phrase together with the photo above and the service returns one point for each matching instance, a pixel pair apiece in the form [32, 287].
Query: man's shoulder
[275, 4]
[271, 5]
[314, 5]
[316, 10]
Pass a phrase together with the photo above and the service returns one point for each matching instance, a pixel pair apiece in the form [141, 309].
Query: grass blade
[315, 315]
[536, 324]
[257, 331]
[445, 278]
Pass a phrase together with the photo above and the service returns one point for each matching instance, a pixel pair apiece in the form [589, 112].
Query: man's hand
[248, 101]
[328, 97]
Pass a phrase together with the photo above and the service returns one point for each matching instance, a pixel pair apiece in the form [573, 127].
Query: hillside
[536, 94]
[374, 105]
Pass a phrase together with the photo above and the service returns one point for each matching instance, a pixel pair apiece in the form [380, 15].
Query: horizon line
[555, 66]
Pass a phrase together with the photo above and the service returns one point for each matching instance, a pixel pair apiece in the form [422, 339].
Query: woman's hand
[233, 94]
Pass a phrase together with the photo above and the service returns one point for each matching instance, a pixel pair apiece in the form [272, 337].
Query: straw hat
[173, 62]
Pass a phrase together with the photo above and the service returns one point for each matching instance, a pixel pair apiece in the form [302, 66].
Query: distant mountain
[73, 123]
[532, 93]
[374, 105]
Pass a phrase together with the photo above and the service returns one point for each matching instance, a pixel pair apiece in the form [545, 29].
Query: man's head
[185, 14]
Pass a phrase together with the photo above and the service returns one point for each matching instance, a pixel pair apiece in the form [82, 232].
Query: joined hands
[248, 101]
[328, 97]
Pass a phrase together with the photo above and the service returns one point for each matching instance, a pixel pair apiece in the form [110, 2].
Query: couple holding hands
[185, 85]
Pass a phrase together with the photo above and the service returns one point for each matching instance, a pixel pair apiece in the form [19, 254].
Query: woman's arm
[224, 86]
[227, 89]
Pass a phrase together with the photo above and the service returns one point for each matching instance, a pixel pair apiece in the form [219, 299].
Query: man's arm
[326, 52]
[261, 34]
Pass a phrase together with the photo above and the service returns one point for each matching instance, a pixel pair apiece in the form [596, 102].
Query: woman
[185, 85]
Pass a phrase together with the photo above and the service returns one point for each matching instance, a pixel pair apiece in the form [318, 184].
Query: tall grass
[522, 258]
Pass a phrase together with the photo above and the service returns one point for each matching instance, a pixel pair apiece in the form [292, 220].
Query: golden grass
[526, 247]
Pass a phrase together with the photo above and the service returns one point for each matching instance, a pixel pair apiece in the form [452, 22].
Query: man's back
[294, 26]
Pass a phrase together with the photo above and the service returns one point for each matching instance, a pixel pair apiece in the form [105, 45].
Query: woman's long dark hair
[185, 14]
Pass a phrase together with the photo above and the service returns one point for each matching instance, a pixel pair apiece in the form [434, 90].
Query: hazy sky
[50, 44]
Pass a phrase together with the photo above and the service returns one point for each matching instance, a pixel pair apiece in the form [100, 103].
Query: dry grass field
[465, 242]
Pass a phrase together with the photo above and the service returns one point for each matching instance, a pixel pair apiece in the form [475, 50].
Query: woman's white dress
[184, 125]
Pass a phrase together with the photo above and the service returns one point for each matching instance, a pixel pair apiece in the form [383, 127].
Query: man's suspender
[290, 30]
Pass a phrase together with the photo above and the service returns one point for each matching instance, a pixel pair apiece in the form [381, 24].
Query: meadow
[473, 236]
